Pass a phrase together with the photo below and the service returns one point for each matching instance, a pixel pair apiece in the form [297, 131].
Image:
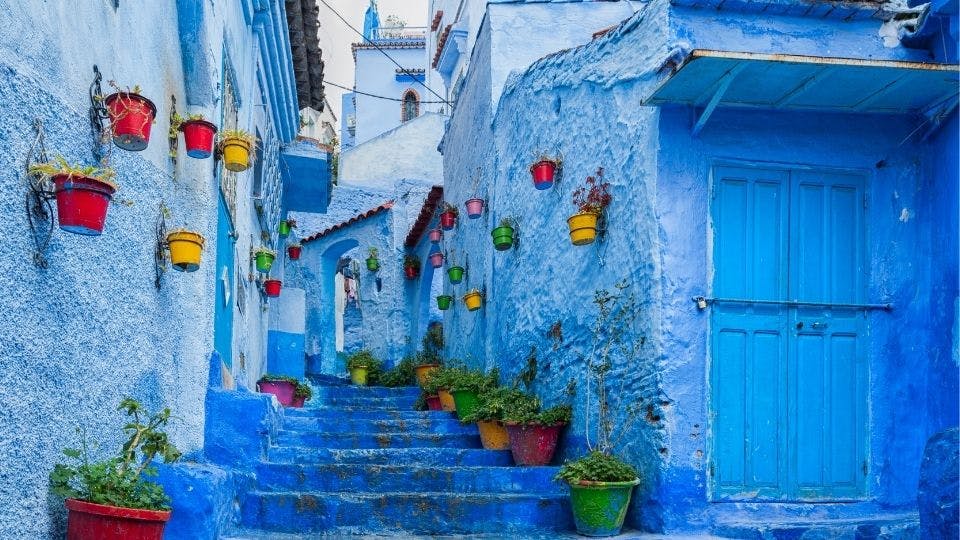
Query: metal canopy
[710, 79]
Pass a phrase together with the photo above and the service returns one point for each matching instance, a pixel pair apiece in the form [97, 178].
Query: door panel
[788, 383]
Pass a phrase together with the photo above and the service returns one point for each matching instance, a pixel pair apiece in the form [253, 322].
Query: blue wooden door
[223, 301]
[788, 382]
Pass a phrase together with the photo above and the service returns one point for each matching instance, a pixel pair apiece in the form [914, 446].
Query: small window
[411, 106]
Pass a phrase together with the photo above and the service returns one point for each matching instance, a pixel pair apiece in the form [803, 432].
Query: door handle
[800, 325]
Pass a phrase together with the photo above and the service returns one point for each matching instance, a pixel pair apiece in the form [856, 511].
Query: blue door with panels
[788, 369]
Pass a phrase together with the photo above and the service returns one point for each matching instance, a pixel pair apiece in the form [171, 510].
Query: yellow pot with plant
[186, 248]
[360, 365]
[473, 300]
[235, 145]
[591, 200]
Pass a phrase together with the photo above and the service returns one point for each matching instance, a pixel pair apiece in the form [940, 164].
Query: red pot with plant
[436, 235]
[436, 259]
[131, 116]
[271, 287]
[83, 195]
[433, 403]
[544, 171]
[281, 387]
[294, 250]
[411, 267]
[198, 135]
[448, 217]
[533, 440]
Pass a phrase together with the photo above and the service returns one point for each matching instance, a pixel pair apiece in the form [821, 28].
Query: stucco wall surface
[376, 74]
[91, 328]
[407, 151]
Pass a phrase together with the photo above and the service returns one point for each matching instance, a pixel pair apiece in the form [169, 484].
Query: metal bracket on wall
[99, 116]
[40, 191]
[160, 252]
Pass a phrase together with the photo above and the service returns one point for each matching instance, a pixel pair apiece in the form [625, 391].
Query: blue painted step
[899, 526]
[364, 412]
[253, 534]
[350, 424]
[366, 392]
[392, 478]
[378, 440]
[419, 513]
[438, 457]
[396, 402]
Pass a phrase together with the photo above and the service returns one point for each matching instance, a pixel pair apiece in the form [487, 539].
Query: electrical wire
[355, 91]
[403, 69]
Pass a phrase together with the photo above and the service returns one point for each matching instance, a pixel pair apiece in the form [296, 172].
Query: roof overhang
[710, 79]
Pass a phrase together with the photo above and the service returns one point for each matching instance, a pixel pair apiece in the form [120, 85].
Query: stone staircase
[361, 461]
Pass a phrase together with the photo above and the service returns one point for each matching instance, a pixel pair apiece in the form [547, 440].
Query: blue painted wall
[376, 74]
[584, 103]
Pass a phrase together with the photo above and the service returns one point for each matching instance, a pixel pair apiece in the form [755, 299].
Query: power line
[403, 69]
[355, 91]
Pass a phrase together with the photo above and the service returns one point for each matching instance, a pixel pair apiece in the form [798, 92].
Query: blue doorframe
[223, 303]
[788, 384]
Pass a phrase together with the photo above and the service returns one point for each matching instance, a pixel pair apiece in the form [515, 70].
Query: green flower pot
[502, 238]
[443, 302]
[373, 264]
[264, 261]
[466, 401]
[456, 274]
[600, 507]
[284, 228]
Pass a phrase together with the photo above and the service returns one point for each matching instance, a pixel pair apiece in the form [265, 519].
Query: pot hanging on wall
[131, 117]
[198, 135]
[448, 220]
[271, 287]
[236, 153]
[473, 300]
[373, 264]
[82, 203]
[264, 259]
[583, 228]
[411, 272]
[185, 249]
[436, 235]
[444, 301]
[502, 237]
[543, 173]
[294, 251]
[436, 259]
[455, 273]
[474, 207]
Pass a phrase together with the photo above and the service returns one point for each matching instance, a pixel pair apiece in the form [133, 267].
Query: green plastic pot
[373, 264]
[466, 401]
[443, 302]
[284, 228]
[600, 507]
[502, 238]
[264, 261]
[456, 274]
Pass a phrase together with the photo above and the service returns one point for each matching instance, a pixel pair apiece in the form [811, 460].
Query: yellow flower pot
[583, 228]
[473, 300]
[185, 250]
[358, 376]
[423, 372]
[446, 401]
[493, 435]
[236, 154]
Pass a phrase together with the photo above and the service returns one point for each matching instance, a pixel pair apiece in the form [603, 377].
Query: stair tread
[407, 494]
[253, 534]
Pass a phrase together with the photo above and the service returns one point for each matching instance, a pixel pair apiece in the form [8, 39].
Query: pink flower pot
[474, 208]
[448, 220]
[282, 389]
[533, 444]
[298, 402]
[436, 235]
[436, 259]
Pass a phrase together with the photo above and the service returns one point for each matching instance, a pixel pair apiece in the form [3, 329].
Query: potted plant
[294, 250]
[264, 258]
[435, 235]
[474, 207]
[198, 136]
[429, 359]
[444, 301]
[433, 402]
[425, 366]
[448, 217]
[438, 382]
[591, 200]
[473, 299]
[285, 225]
[436, 259]
[503, 235]
[411, 267]
[271, 287]
[235, 145]
[301, 394]
[131, 117]
[281, 386]
[360, 364]
[373, 264]
[492, 405]
[544, 169]
[600, 483]
[466, 385]
[534, 435]
[83, 194]
[113, 499]
[455, 271]
[185, 249]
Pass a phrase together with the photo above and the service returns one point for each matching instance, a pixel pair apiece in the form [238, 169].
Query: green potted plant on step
[113, 499]
[466, 386]
[360, 365]
[492, 405]
[601, 483]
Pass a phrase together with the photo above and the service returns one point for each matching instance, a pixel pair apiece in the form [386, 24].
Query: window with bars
[228, 179]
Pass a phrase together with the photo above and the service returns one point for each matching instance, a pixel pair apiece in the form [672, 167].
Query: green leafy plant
[432, 345]
[265, 250]
[447, 207]
[402, 374]
[597, 467]
[303, 391]
[442, 378]
[474, 380]
[60, 167]
[372, 252]
[121, 480]
[364, 359]
[238, 134]
[494, 404]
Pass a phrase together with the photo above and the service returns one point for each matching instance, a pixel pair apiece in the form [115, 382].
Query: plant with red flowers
[594, 196]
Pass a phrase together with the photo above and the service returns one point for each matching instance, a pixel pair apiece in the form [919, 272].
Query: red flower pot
[294, 252]
[436, 235]
[272, 287]
[543, 172]
[298, 402]
[131, 116]
[198, 136]
[448, 220]
[282, 389]
[411, 272]
[82, 203]
[87, 521]
[433, 403]
[533, 444]
[474, 208]
[436, 259]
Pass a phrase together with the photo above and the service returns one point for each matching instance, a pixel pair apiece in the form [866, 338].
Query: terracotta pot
[294, 252]
[436, 259]
[533, 444]
[435, 235]
[493, 435]
[446, 401]
[272, 287]
[448, 220]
